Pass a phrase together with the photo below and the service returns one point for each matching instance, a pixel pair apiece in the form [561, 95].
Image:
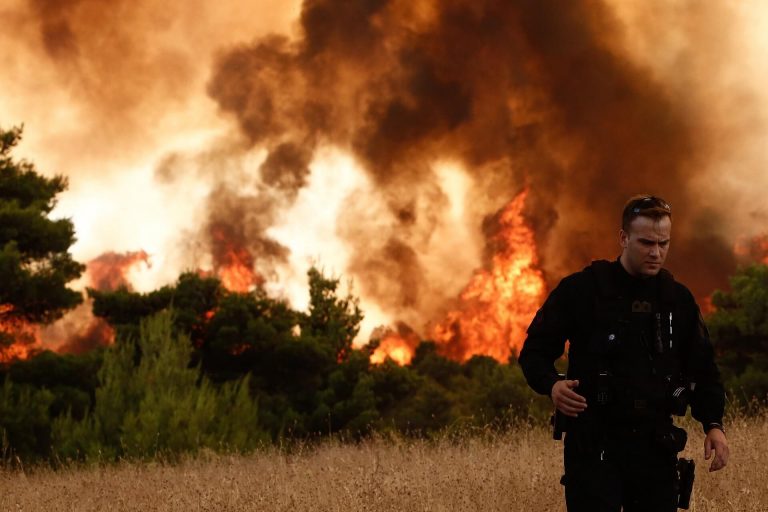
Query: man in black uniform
[639, 352]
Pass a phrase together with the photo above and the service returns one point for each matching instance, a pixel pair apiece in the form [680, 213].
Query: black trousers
[606, 474]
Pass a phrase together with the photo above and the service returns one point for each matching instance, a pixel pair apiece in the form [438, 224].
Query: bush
[159, 405]
[739, 329]
[24, 421]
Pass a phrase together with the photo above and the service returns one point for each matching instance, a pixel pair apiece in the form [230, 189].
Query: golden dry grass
[516, 471]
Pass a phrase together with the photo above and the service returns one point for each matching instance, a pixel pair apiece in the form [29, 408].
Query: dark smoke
[287, 167]
[531, 93]
[236, 231]
[125, 71]
[56, 30]
[243, 203]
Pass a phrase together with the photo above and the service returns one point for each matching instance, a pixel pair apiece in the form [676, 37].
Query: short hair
[644, 205]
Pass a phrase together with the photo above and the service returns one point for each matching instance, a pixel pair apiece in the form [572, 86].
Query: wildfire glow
[752, 250]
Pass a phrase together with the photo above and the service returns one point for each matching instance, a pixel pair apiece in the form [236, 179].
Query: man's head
[646, 227]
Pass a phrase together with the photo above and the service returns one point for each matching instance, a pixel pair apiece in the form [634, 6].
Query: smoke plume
[536, 94]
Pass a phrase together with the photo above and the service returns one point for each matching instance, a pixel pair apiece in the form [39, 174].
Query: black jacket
[571, 313]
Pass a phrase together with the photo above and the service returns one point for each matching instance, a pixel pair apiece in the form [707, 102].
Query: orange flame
[706, 306]
[109, 271]
[78, 330]
[496, 305]
[748, 251]
[752, 250]
[234, 264]
[25, 337]
[499, 302]
[396, 345]
[237, 276]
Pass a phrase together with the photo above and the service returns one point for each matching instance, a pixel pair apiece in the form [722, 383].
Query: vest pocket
[671, 438]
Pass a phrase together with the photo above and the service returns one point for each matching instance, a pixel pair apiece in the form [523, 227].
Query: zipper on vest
[670, 330]
[659, 342]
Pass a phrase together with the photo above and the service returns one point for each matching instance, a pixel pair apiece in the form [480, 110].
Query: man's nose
[655, 250]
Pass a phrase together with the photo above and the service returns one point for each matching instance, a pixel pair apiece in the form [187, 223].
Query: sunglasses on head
[650, 202]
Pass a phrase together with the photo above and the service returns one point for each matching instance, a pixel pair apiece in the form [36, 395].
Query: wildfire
[398, 345]
[499, 302]
[752, 250]
[18, 339]
[748, 251]
[109, 271]
[78, 331]
[496, 305]
[238, 276]
[233, 263]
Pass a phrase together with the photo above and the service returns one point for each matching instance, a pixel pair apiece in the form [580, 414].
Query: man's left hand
[717, 443]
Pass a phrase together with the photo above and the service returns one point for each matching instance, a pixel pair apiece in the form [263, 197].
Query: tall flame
[497, 304]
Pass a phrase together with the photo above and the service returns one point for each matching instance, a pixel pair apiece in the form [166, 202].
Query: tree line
[195, 365]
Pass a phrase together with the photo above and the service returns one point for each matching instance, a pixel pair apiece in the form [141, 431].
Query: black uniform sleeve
[708, 397]
[547, 334]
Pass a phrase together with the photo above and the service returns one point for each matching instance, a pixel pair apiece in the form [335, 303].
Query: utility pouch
[604, 395]
[685, 476]
[672, 438]
[557, 420]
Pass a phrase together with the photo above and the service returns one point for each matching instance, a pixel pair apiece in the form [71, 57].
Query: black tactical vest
[629, 364]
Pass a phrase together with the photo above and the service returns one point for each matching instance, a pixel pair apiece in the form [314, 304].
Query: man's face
[645, 245]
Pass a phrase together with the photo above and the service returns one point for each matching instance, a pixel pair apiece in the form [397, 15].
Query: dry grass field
[515, 471]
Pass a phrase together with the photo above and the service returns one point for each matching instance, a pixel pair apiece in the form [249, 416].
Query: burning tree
[35, 265]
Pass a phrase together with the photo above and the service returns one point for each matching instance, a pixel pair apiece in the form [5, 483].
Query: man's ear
[623, 238]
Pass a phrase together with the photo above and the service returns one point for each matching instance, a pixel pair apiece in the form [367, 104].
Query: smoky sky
[535, 94]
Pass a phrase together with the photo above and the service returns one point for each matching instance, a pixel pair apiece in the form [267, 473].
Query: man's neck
[625, 266]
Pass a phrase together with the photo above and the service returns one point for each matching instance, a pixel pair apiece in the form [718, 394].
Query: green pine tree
[159, 406]
[35, 265]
